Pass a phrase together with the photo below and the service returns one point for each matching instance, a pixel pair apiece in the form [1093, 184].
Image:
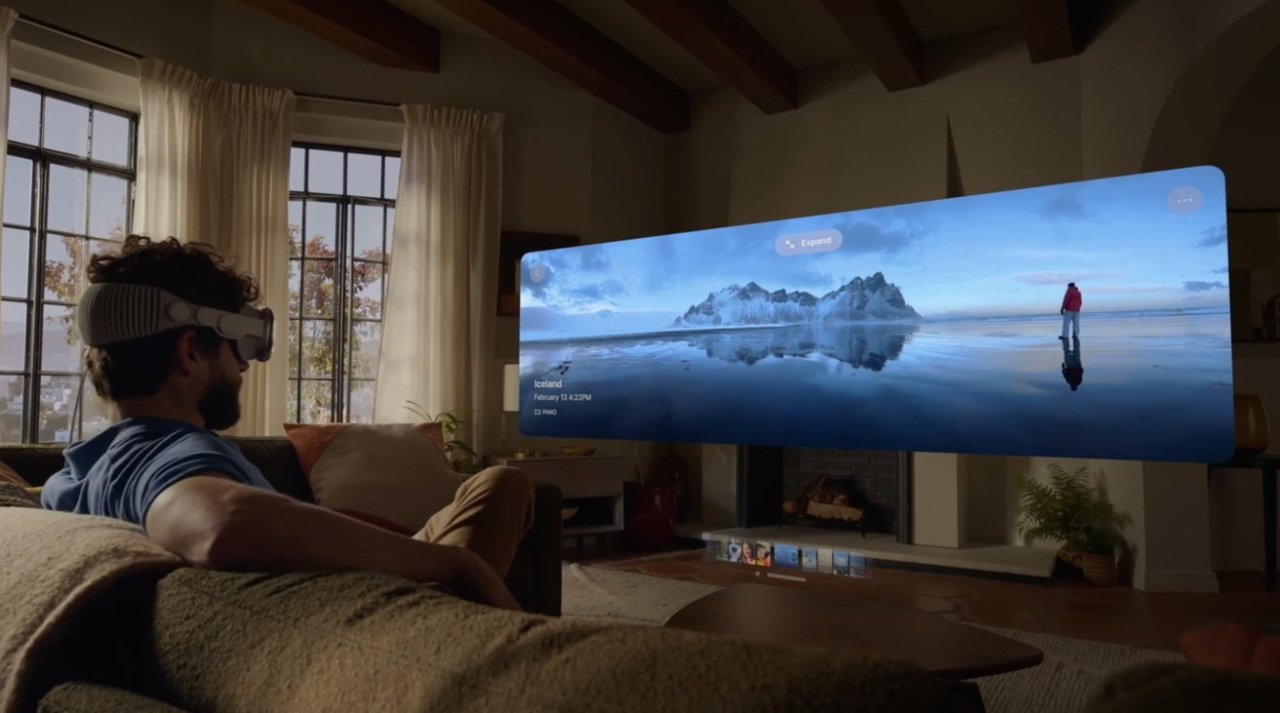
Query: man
[1071, 303]
[163, 467]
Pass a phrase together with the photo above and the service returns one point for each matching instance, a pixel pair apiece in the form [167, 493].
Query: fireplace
[881, 480]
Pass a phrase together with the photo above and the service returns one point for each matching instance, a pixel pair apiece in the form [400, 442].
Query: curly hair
[192, 271]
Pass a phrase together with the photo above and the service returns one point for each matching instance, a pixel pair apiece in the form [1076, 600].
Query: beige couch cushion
[393, 475]
[56, 565]
[360, 641]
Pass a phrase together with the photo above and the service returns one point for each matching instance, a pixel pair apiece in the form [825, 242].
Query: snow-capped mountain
[872, 298]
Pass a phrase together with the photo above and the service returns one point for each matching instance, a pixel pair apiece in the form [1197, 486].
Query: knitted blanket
[52, 566]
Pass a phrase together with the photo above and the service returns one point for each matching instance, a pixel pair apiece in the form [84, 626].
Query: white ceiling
[801, 30]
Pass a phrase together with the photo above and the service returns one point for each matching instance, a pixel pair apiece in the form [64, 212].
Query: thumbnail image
[735, 550]
[809, 559]
[786, 556]
[857, 565]
[840, 563]
[721, 550]
[764, 554]
[824, 560]
[748, 552]
[1038, 313]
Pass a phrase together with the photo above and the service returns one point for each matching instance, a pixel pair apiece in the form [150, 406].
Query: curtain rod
[77, 36]
[58, 29]
[345, 100]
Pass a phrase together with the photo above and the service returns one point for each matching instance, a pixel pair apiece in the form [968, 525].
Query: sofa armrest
[534, 578]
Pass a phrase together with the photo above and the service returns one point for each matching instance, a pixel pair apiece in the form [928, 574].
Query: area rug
[1071, 670]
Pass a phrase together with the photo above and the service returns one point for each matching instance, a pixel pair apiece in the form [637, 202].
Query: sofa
[99, 618]
[534, 577]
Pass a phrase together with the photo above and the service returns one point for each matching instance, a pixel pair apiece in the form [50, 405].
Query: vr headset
[114, 312]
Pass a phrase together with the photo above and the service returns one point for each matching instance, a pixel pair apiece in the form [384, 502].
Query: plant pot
[1099, 569]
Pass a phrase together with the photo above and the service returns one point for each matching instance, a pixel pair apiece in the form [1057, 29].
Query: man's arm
[216, 523]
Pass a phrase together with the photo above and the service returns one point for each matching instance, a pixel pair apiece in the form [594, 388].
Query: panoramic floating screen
[945, 326]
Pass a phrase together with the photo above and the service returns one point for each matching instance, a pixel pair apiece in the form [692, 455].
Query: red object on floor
[1232, 646]
[650, 514]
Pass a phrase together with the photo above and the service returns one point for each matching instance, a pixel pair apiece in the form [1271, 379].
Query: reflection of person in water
[1072, 369]
[1071, 303]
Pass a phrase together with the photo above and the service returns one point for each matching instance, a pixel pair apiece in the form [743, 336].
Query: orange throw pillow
[1232, 646]
[391, 475]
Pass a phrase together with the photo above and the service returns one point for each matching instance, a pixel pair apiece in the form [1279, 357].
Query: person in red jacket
[1071, 303]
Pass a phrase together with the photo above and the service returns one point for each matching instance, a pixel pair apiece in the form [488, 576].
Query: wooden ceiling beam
[719, 37]
[1046, 24]
[373, 29]
[884, 37]
[556, 37]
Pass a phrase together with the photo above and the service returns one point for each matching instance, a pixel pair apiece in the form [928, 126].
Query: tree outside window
[69, 178]
[341, 213]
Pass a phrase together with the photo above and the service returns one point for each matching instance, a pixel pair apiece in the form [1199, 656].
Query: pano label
[1086, 319]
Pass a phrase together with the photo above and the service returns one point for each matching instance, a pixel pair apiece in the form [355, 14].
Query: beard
[220, 404]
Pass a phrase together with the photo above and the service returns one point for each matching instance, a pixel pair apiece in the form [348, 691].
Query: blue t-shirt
[120, 472]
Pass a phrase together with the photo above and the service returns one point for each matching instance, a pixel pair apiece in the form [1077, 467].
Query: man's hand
[479, 583]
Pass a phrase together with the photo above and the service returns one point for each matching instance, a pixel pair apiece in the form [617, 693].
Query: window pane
[14, 263]
[317, 401]
[365, 340]
[108, 206]
[317, 348]
[364, 175]
[17, 190]
[66, 126]
[24, 116]
[392, 171]
[324, 174]
[297, 168]
[292, 415]
[96, 414]
[321, 229]
[60, 345]
[63, 268]
[295, 287]
[111, 138]
[391, 221]
[318, 288]
[13, 336]
[295, 228]
[57, 398]
[11, 401]
[367, 225]
[101, 247]
[293, 348]
[366, 281]
[68, 198]
[360, 405]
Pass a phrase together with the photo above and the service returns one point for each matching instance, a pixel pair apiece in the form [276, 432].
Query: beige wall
[939, 516]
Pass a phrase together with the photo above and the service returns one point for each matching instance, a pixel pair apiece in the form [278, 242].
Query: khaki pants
[490, 513]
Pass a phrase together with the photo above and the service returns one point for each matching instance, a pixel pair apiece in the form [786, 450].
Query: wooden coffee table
[788, 615]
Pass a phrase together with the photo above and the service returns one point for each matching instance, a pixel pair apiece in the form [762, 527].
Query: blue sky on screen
[1125, 241]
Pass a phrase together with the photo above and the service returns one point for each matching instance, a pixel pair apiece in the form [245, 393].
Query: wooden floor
[1066, 607]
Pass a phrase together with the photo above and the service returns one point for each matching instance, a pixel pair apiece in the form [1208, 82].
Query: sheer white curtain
[213, 167]
[7, 18]
[437, 330]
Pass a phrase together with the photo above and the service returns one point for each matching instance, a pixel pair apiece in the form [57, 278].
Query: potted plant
[1075, 510]
[460, 454]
